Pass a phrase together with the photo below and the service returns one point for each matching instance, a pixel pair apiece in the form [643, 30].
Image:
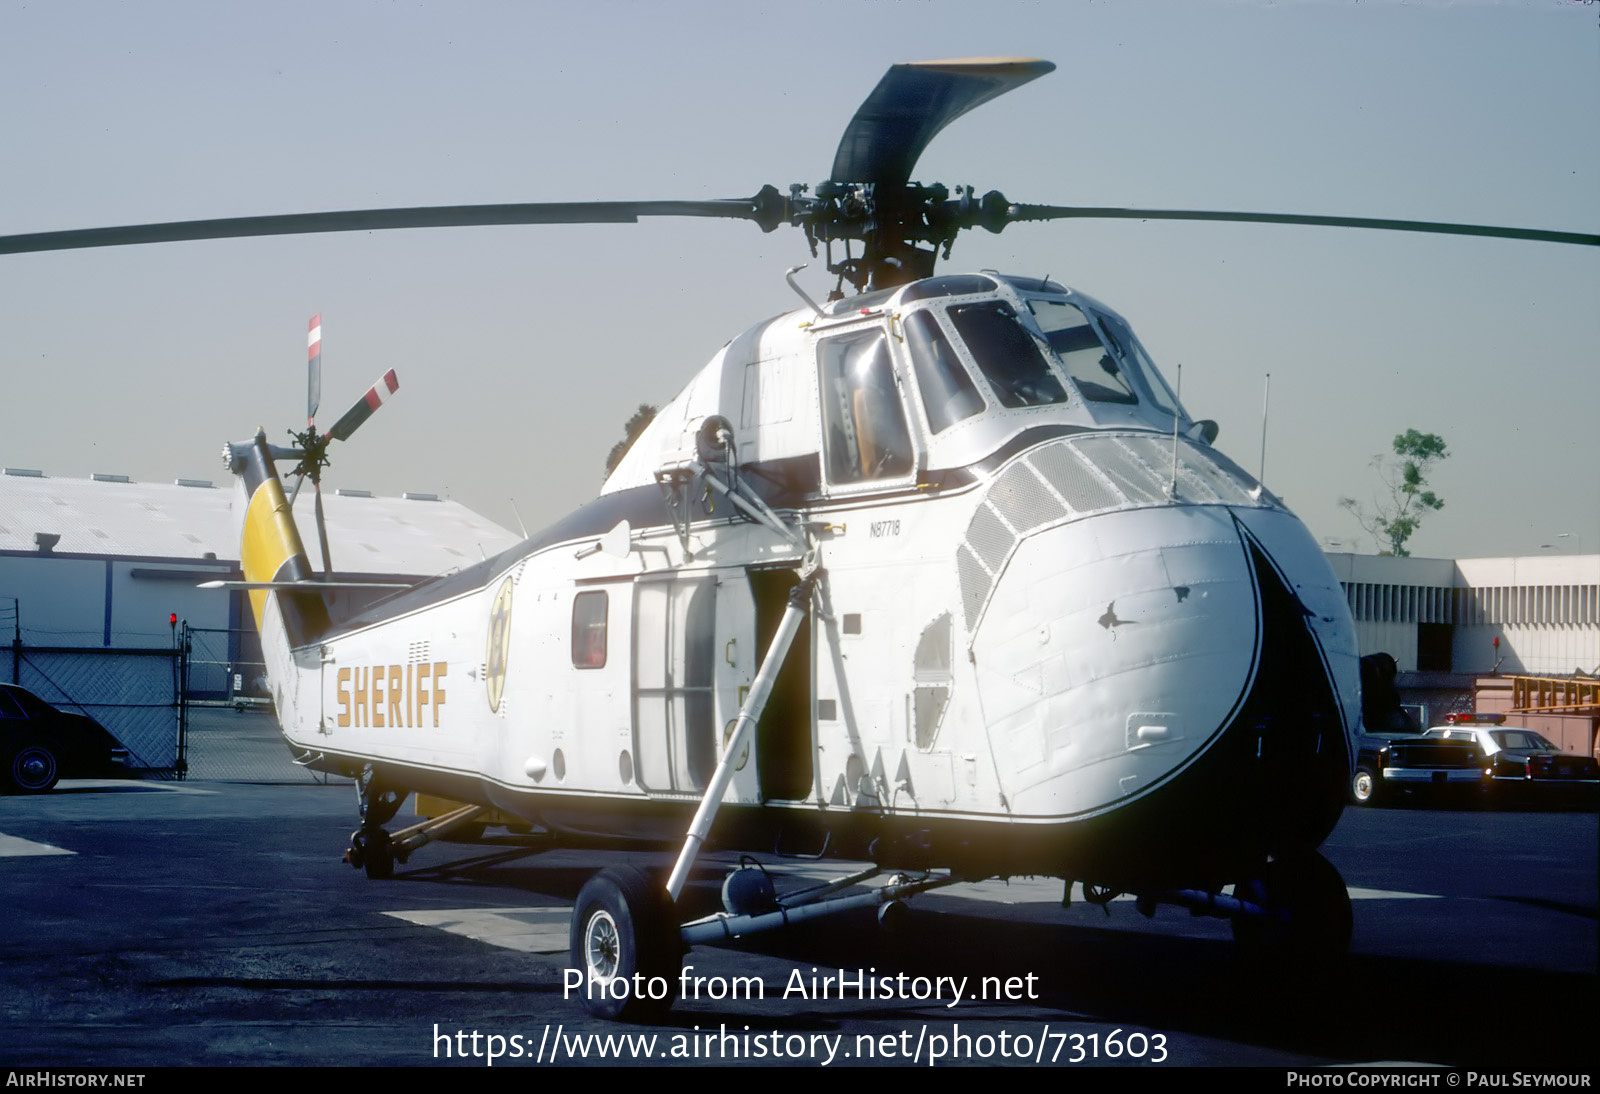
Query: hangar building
[92, 571]
[104, 561]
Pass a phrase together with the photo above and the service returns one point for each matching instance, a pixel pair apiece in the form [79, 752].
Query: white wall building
[1443, 616]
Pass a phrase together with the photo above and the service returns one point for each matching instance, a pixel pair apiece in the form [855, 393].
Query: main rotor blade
[367, 220]
[1060, 212]
[375, 397]
[912, 103]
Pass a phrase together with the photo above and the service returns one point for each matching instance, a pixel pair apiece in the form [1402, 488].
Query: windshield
[1007, 354]
[1092, 368]
[1134, 359]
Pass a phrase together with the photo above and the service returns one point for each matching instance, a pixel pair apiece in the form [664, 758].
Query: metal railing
[1555, 695]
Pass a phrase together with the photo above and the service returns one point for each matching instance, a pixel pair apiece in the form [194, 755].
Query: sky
[521, 351]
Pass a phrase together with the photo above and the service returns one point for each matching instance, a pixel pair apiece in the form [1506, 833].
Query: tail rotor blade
[313, 368]
[375, 397]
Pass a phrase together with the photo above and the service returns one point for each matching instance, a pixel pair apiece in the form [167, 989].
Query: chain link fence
[224, 666]
[200, 710]
[230, 731]
[231, 743]
[134, 693]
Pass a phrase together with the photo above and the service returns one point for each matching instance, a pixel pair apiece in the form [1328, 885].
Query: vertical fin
[270, 547]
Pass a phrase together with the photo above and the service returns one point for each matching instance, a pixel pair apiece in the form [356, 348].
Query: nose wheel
[1307, 913]
[625, 941]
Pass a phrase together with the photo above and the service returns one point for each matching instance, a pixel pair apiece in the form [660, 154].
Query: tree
[1397, 516]
[636, 424]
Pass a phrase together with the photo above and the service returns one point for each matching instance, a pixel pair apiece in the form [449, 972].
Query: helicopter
[937, 574]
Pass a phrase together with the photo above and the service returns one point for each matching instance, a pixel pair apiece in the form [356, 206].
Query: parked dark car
[1521, 763]
[40, 744]
[1389, 764]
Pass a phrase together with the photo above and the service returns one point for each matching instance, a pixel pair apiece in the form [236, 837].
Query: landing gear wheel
[1364, 787]
[33, 767]
[894, 918]
[371, 850]
[625, 940]
[1311, 919]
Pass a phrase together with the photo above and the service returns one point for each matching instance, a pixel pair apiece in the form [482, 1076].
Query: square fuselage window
[589, 631]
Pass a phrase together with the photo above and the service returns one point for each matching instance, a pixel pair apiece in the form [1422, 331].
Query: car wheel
[33, 767]
[1364, 787]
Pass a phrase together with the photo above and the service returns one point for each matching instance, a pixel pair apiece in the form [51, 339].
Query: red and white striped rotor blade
[375, 397]
[313, 369]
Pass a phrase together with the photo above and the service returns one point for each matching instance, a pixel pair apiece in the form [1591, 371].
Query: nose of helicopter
[1164, 647]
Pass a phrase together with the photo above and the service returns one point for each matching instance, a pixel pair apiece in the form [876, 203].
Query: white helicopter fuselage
[1057, 632]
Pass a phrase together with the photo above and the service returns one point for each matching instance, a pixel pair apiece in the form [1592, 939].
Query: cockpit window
[861, 303]
[949, 285]
[1007, 354]
[1069, 332]
[948, 393]
[1033, 284]
[1133, 356]
[864, 431]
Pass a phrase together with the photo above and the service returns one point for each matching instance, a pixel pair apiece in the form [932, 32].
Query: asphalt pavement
[160, 924]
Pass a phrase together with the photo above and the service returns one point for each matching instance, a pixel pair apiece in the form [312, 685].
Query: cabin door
[693, 662]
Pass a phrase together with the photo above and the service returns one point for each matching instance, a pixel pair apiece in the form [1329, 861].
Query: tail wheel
[625, 940]
[371, 850]
[33, 767]
[1310, 919]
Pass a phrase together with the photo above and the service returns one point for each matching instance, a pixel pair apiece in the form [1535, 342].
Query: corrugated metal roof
[160, 520]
